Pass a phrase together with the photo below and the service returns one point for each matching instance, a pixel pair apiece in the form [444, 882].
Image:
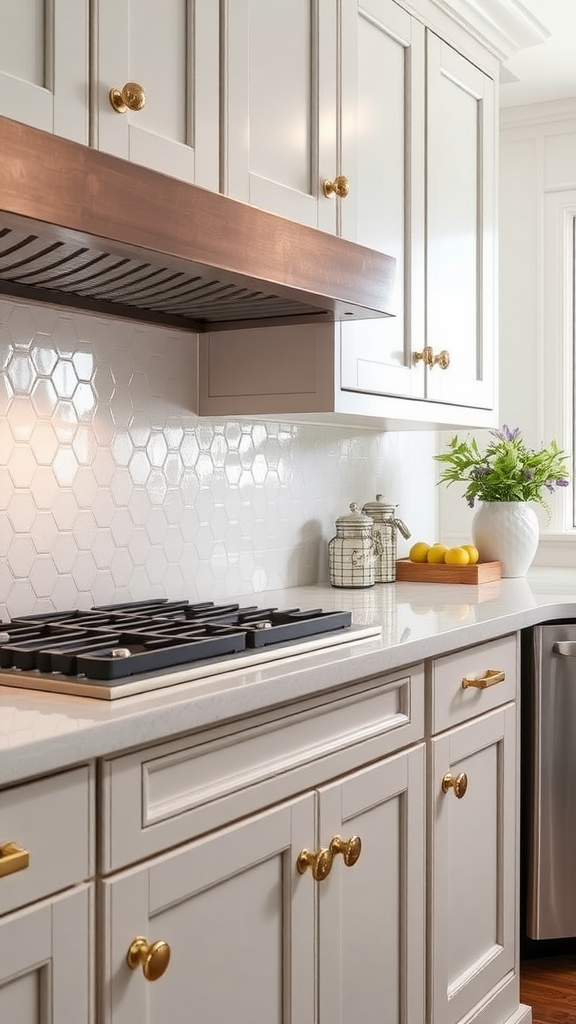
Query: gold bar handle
[490, 678]
[12, 858]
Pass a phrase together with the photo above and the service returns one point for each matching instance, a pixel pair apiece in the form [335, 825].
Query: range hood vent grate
[81, 228]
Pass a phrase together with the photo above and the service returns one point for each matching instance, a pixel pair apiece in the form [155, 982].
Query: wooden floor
[548, 985]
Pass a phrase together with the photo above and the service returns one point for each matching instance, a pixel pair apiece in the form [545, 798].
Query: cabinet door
[171, 49]
[239, 922]
[473, 864]
[371, 915]
[460, 227]
[279, 107]
[383, 155]
[44, 65]
[46, 952]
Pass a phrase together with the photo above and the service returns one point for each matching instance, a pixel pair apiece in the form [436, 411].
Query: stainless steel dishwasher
[549, 780]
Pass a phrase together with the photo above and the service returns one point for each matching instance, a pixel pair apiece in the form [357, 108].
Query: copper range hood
[91, 231]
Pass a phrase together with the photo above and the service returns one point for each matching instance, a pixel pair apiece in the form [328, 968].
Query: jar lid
[355, 517]
[378, 507]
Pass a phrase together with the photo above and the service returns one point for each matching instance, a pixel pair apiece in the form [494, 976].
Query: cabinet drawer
[52, 819]
[171, 792]
[452, 702]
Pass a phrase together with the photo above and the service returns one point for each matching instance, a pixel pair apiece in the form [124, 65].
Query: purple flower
[508, 435]
[561, 483]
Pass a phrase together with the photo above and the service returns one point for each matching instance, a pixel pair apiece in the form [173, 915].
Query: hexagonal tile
[64, 552]
[65, 466]
[21, 511]
[21, 325]
[21, 556]
[43, 443]
[121, 567]
[44, 398]
[43, 576]
[21, 465]
[22, 418]
[44, 532]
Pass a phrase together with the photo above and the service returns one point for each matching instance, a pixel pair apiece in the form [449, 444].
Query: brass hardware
[319, 862]
[458, 784]
[442, 360]
[131, 97]
[152, 957]
[339, 187]
[490, 678]
[349, 848]
[427, 356]
[12, 858]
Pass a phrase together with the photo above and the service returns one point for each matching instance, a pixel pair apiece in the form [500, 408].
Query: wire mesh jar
[353, 551]
[386, 524]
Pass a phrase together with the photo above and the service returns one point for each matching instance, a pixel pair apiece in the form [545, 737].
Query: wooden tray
[426, 572]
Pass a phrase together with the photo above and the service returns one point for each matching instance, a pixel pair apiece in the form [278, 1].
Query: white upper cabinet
[279, 107]
[414, 126]
[383, 151]
[44, 65]
[460, 228]
[169, 48]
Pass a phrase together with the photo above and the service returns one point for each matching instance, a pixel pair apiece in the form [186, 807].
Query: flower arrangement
[506, 471]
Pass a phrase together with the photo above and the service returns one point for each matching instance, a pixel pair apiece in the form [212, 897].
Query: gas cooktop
[118, 650]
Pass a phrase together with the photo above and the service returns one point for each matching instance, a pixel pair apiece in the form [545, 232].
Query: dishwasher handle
[565, 647]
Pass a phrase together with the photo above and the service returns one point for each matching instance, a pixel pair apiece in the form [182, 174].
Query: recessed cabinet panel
[44, 65]
[46, 952]
[472, 863]
[460, 229]
[383, 80]
[279, 107]
[170, 48]
[239, 921]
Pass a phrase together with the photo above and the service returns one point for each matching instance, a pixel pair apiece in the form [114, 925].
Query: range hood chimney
[84, 229]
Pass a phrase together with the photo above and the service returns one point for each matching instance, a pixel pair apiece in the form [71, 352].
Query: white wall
[112, 488]
[537, 163]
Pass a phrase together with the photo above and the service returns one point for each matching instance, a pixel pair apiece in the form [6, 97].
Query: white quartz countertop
[41, 732]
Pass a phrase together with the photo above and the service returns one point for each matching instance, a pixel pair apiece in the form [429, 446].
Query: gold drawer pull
[490, 678]
[349, 848]
[320, 863]
[459, 784]
[12, 858]
[152, 957]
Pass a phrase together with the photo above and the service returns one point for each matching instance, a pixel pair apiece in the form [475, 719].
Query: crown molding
[504, 26]
[548, 112]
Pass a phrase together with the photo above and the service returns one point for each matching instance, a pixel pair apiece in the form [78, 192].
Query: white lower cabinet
[46, 961]
[46, 900]
[473, 818]
[348, 856]
[253, 938]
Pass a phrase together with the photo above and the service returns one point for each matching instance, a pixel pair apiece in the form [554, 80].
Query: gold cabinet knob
[459, 784]
[130, 97]
[490, 678]
[152, 957]
[12, 858]
[426, 356]
[319, 861]
[339, 187]
[442, 360]
[349, 848]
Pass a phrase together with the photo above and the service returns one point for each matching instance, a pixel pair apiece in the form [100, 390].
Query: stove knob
[120, 652]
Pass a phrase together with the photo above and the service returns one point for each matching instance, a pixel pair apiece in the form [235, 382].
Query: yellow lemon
[419, 551]
[473, 554]
[437, 553]
[457, 556]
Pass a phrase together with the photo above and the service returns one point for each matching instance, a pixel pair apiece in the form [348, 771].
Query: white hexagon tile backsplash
[113, 489]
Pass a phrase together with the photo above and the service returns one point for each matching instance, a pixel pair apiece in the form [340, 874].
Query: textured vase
[507, 532]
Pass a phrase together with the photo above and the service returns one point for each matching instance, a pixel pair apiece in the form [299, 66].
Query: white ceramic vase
[508, 532]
